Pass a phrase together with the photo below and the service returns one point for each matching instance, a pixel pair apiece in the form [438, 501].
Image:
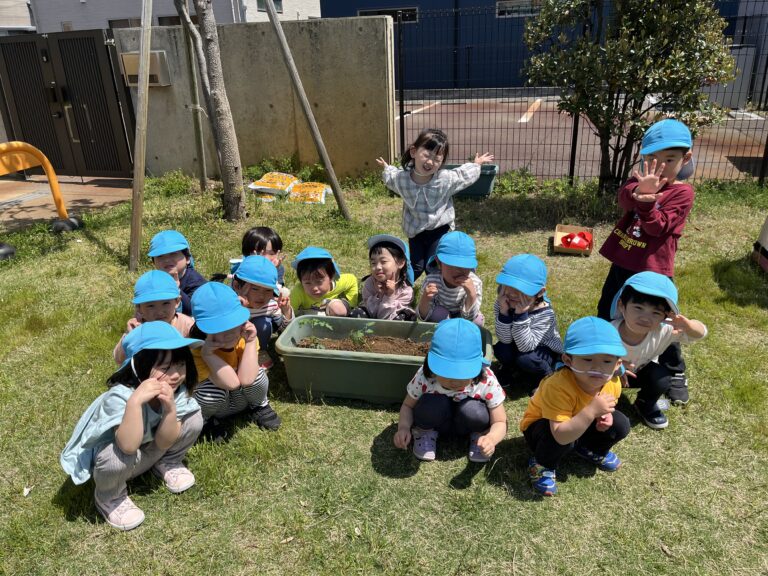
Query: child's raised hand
[524, 303]
[602, 404]
[249, 332]
[604, 422]
[649, 182]
[402, 438]
[381, 162]
[680, 324]
[284, 303]
[132, 323]
[487, 447]
[483, 158]
[503, 303]
[469, 287]
[147, 390]
[430, 291]
[165, 396]
[388, 287]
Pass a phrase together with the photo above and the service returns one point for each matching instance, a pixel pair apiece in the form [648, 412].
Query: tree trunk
[606, 183]
[219, 113]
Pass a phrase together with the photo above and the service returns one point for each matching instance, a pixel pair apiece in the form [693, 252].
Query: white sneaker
[177, 477]
[120, 513]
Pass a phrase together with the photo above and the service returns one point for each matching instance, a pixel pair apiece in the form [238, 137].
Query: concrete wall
[346, 68]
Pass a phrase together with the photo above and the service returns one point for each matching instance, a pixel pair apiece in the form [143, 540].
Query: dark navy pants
[423, 246]
[441, 413]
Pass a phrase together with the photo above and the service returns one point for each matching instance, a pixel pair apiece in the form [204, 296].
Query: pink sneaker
[177, 477]
[425, 444]
[120, 512]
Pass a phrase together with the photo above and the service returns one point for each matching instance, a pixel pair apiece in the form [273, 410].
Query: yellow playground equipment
[16, 156]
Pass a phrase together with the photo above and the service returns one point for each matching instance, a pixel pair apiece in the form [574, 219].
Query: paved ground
[530, 133]
[27, 202]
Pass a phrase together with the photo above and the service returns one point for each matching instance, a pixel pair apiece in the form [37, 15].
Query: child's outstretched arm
[403, 435]
[381, 162]
[693, 329]
[488, 441]
[571, 430]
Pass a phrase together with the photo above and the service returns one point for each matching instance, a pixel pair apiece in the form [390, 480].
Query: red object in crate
[577, 241]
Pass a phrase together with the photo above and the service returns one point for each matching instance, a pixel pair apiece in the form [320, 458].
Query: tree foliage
[624, 63]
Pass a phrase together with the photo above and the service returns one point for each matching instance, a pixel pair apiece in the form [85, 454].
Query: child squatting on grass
[322, 288]
[170, 252]
[156, 296]
[454, 392]
[388, 290]
[452, 289]
[646, 315]
[255, 282]
[574, 409]
[427, 192]
[231, 381]
[656, 206]
[528, 344]
[146, 420]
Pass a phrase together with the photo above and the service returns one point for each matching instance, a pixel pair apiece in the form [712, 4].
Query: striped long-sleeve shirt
[429, 206]
[529, 330]
[453, 298]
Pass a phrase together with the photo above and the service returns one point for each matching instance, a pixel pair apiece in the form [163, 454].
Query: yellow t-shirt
[231, 357]
[559, 398]
[345, 287]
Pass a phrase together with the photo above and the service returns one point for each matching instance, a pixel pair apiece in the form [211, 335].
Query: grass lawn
[329, 493]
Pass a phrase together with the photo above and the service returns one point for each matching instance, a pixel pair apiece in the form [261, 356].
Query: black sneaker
[265, 417]
[215, 431]
[678, 390]
[653, 418]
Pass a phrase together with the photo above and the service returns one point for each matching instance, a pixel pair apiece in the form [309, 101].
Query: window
[125, 23]
[262, 7]
[517, 8]
[409, 14]
[174, 20]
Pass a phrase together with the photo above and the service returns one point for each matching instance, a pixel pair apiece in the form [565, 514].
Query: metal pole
[202, 171]
[299, 89]
[400, 79]
[763, 164]
[574, 141]
[140, 148]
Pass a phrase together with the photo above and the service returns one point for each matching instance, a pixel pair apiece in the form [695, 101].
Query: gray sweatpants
[222, 403]
[113, 468]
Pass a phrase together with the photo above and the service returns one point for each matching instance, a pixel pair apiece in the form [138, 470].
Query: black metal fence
[463, 71]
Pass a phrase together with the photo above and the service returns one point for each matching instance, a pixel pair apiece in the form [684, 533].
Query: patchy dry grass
[329, 493]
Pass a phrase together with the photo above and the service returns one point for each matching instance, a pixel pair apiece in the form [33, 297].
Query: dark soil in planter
[373, 344]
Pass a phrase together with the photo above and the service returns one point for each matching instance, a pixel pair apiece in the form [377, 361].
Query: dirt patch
[372, 344]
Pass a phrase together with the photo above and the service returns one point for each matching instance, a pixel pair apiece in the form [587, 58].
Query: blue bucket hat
[456, 249]
[666, 134]
[592, 335]
[524, 272]
[166, 242]
[216, 308]
[652, 284]
[260, 271]
[456, 350]
[315, 253]
[380, 238]
[157, 335]
[155, 285]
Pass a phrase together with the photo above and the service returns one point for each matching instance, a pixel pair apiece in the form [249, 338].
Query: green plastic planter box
[484, 185]
[376, 378]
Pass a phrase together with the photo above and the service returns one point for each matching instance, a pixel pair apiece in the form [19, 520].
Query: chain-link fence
[463, 71]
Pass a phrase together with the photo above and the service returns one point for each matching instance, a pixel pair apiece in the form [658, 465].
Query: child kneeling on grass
[146, 420]
[454, 392]
[640, 310]
[322, 288]
[231, 380]
[574, 409]
[156, 297]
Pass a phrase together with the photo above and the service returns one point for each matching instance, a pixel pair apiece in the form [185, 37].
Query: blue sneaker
[653, 418]
[542, 479]
[607, 463]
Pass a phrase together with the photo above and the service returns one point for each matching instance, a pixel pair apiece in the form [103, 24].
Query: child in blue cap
[170, 252]
[156, 297]
[656, 205]
[255, 281]
[322, 288]
[452, 290]
[646, 315]
[574, 409]
[528, 344]
[146, 420]
[388, 290]
[454, 392]
[231, 381]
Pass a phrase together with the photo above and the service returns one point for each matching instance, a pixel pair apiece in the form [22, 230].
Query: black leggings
[423, 246]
